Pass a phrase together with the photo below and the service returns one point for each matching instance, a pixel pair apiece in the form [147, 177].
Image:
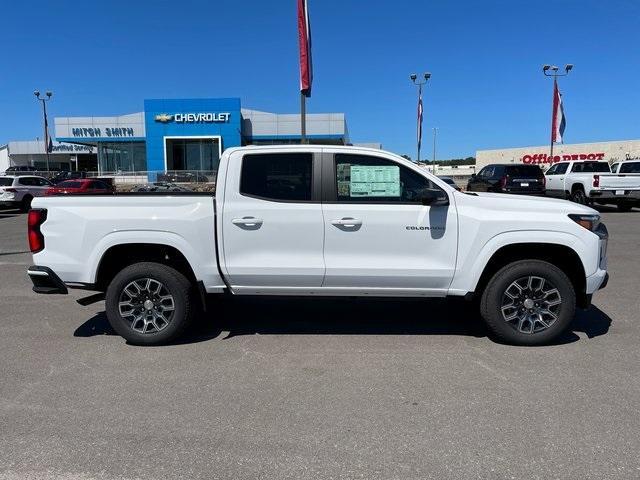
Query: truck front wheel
[149, 303]
[528, 302]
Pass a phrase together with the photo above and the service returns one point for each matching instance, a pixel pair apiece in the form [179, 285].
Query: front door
[555, 180]
[379, 238]
[272, 226]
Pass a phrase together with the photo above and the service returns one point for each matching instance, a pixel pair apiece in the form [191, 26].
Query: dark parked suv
[523, 179]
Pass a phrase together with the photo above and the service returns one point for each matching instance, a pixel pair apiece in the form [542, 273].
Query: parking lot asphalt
[309, 389]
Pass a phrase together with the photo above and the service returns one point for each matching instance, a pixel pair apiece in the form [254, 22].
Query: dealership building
[617, 151]
[189, 134]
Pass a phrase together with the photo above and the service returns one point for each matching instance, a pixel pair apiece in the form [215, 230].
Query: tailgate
[622, 181]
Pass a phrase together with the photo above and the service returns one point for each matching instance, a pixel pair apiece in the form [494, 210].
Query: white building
[63, 156]
[610, 151]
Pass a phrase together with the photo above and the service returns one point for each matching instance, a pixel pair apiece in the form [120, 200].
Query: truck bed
[79, 229]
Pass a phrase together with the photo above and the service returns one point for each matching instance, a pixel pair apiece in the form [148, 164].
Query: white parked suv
[316, 220]
[19, 191]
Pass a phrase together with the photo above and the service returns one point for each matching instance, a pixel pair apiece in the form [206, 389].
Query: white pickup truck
[321, 220]
[593, 182]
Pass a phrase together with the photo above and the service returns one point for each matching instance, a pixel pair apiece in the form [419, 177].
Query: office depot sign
[544, 158]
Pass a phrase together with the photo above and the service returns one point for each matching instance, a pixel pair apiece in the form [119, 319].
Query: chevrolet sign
[203, 117]
[164, 118]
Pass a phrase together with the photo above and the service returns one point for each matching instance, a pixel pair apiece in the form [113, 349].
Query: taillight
[596, 181]
[36, 218]
[544, 182]
[503, 181]
[12, 190]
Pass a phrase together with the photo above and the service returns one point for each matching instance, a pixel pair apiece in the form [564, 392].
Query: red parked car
[80, 186]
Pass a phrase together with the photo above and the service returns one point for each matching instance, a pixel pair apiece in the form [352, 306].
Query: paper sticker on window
[375, 181]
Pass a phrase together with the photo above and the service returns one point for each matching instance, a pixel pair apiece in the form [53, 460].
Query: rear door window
[632, 167]
[277, 176]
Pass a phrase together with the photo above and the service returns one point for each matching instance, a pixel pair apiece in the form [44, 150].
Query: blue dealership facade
[189, 134]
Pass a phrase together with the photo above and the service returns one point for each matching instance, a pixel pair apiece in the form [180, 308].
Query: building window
[114, 157]
[201, 154]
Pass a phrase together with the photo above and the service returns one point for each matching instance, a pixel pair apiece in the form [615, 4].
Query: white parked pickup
[593, 182]
[321, 220]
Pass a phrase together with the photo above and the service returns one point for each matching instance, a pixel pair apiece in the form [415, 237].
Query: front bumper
[597, 281]
[46, 281]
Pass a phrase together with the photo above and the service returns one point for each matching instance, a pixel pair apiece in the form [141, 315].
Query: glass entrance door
[189, 153]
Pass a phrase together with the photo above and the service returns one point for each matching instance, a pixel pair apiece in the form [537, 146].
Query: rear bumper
[633, 195]
[510, 191]
[46, 281]
[9, 203]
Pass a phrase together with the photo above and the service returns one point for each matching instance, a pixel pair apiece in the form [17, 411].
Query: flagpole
[418, 128]
[303, 118]
[553, 99]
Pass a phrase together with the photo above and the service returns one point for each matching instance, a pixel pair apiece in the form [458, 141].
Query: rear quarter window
[6, 182]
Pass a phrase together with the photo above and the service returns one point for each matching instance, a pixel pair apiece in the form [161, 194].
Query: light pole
[419, 83]
[48, 94]
[435, 135]
[554, 73]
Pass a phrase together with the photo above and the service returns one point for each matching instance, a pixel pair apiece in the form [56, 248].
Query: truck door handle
[347, 222]
[247, 222]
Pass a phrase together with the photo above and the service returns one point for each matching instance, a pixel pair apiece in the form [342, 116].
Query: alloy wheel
[531, 304]
[147, 304]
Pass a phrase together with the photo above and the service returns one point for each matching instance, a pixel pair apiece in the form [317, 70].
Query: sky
[487, 89]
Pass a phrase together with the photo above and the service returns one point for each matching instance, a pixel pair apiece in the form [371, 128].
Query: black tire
[25, 205]
[578, 196]
[624, 207]
[495, 297]
[166, 324]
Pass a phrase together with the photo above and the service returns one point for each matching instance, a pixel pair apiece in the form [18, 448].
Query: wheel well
[577, 186]
[563, 257]
[120, 256]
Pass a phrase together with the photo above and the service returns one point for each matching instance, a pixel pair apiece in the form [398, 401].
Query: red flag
[558, 121]
[419, 119]
[304, 40]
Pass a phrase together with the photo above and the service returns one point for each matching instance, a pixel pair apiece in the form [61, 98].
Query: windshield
[591, 167]
[6, 182]
[633, 167]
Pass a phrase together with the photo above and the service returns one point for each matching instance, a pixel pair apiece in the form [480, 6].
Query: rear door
[379, 238]
[272, 225]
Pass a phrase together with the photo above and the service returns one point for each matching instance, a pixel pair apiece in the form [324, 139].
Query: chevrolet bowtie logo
[164, 118]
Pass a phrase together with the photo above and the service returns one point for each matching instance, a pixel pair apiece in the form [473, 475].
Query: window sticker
[374, 181]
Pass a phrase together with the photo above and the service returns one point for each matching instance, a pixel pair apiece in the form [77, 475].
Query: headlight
[590, 222]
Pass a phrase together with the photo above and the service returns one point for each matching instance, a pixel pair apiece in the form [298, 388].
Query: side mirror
[473, 176]
[434, 198]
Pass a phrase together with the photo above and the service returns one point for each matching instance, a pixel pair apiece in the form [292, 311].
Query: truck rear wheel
[528, 302]
[149, 303]
[578, 196]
